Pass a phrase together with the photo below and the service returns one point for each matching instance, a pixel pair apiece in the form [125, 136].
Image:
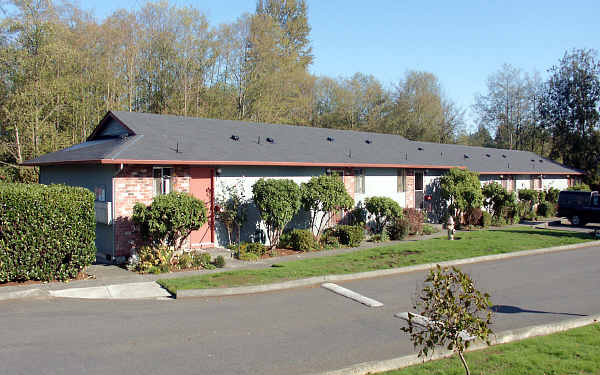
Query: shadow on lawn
[506, 309]
[546, 232]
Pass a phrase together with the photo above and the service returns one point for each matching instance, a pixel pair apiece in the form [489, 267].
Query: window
[359, 181]
[100, 192]
[401, 181]
[162, 181]
[418, 181]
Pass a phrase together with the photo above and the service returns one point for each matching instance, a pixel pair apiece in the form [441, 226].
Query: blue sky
[462, 42]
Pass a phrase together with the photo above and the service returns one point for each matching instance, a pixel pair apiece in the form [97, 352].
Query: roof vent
[270, 140]
[235, 137]
[330, 139]
[368, 141]
[467, 156]
[420, 148]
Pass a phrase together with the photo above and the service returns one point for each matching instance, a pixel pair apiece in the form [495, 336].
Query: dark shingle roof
[177, 139]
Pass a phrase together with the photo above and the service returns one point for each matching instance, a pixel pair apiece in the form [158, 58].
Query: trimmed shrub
[552, 195]
[529, 195]
[384, 209]
[429, 229]
[302, 240]
[348, 235]
[249, 247]
[329, 241]
[153, 259]
[486, 219]
[398, 229]
[284, 240]
[546, 209]
[415, 220]
[192, 259]
[497, 198]
[277, 201]
[219, 261]
[170, 219]
[462, 189]
[580, 187]
[46, 232]
[473, 216]
[322, 196]
[381, 237]
[250, 257]
[358, 215]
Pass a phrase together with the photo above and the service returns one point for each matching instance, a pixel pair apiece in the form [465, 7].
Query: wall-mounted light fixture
[218, 171]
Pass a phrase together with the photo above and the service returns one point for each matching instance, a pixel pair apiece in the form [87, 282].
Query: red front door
[202, 187]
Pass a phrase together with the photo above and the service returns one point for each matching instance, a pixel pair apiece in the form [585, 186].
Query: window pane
[419, 181]
[157, 181]
[401, 181]
[359, 181]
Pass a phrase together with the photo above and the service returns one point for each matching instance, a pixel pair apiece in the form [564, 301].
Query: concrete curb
[29, 293]
[500, 338]
[312, 281]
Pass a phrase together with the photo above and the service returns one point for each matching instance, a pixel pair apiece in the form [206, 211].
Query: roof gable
[110, 127]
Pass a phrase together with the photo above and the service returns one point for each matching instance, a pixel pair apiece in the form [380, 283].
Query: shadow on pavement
[506, 309]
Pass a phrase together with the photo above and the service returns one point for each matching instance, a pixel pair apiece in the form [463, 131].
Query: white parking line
[352, 295]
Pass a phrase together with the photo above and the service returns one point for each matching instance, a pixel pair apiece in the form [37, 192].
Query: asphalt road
[291, 332]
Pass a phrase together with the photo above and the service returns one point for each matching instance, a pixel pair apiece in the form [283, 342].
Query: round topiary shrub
[302, 240]
[398, 229]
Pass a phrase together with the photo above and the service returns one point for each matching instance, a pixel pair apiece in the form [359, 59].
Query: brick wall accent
[136, 184]
[349, 183]
[133, 184]
[181, 179]
[410, 189]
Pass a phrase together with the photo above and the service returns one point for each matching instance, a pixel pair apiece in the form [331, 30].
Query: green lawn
[576, 351]
[469, 244]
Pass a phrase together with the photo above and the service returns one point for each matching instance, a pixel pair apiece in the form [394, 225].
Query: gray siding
[89, 177]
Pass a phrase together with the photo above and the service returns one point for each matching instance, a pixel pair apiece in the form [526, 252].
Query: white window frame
[166, 181]
[359, 181]
[401, 180]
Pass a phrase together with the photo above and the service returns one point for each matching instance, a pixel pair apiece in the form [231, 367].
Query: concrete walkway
[118, 291]
[114, 282]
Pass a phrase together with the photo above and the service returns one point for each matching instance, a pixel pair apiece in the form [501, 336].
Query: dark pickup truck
[580, 207]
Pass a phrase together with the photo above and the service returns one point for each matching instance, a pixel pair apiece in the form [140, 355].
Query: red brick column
[409, 195]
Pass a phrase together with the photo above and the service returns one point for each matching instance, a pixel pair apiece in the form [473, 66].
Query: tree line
[62, 69]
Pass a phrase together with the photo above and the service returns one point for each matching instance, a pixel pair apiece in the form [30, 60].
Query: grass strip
[576, 351]
[469, 244]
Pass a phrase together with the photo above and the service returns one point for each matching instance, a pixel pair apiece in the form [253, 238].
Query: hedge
[46, 232]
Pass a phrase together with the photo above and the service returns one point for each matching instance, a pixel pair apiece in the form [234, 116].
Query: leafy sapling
[454, 312]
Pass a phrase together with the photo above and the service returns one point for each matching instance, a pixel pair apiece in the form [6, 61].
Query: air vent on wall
[270, 140]
[368, 141]
[467, 156]
[420, 148]
[488, 155]
[235, 137]
[330, 139]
